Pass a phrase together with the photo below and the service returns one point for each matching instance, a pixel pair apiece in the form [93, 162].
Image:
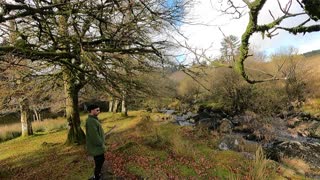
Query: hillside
[312, 53]
[143, 146]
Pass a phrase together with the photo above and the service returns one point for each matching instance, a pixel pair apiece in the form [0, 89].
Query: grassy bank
[142, 146]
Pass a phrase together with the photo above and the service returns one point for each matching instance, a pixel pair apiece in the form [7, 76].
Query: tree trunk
[36, 115]
[24, 117]
[115, 105]
[111, 105]
[75, 133]
[124, 110]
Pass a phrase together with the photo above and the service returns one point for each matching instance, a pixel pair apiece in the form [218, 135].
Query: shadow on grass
[38, 134]
[51, 161]
[10, 136]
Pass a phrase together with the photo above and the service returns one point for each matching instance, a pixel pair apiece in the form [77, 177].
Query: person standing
[95, 141]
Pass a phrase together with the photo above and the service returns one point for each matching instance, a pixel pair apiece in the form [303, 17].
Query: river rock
[209, 123]
[315, 132]
[308, 129]
[309, 152]
[225, 126]
[229, 143]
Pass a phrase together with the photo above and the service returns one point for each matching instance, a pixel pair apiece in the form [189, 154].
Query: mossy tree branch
[254, 8]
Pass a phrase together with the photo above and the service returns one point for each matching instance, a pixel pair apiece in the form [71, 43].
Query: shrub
[164, 136]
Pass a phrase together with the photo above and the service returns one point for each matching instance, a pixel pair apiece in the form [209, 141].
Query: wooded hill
[312, 53]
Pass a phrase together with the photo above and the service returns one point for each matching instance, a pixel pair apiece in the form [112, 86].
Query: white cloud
[205, 12]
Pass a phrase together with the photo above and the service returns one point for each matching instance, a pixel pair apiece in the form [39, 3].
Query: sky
[206, 32]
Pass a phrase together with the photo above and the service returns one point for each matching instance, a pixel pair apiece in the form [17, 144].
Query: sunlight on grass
[149, 148]
[312, 106]
[165, 138]
[297, 164]
[25, 145]
[123, 123]
[46, 146]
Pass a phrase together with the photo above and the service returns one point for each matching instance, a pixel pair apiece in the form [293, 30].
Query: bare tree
[87, 40]
[24, 87]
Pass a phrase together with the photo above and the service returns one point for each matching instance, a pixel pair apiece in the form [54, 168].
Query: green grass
[312, 106]
[259, 166]
[159, 156]
[136, 169]
[41, 156]
[140, 147]
[219, 172]
[186, 171]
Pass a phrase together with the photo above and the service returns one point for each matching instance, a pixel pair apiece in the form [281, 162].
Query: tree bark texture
[115, 105]
[37, 116]
[124, 110]
[75, 133]
[25, 119]
[111, 105]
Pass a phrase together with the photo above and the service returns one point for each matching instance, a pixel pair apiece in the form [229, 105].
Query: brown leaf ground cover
[140, 147]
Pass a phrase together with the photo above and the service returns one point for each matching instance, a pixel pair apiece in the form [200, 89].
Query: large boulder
[309, 152]
[253, 127]
[245, 123]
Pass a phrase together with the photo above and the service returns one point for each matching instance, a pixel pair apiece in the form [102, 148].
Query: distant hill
[312, 53]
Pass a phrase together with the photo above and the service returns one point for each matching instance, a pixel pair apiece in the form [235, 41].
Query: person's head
[93, 109]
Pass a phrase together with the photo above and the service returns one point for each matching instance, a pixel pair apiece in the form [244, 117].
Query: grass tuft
[186, 171]
[136, 170]
[296, 164]
[259, 166]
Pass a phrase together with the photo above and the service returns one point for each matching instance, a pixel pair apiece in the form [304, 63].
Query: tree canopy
[89, 41]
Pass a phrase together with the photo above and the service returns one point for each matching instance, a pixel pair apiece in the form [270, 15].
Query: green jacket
[94, 136]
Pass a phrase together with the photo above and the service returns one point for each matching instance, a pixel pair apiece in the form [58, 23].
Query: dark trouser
[98, 161]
